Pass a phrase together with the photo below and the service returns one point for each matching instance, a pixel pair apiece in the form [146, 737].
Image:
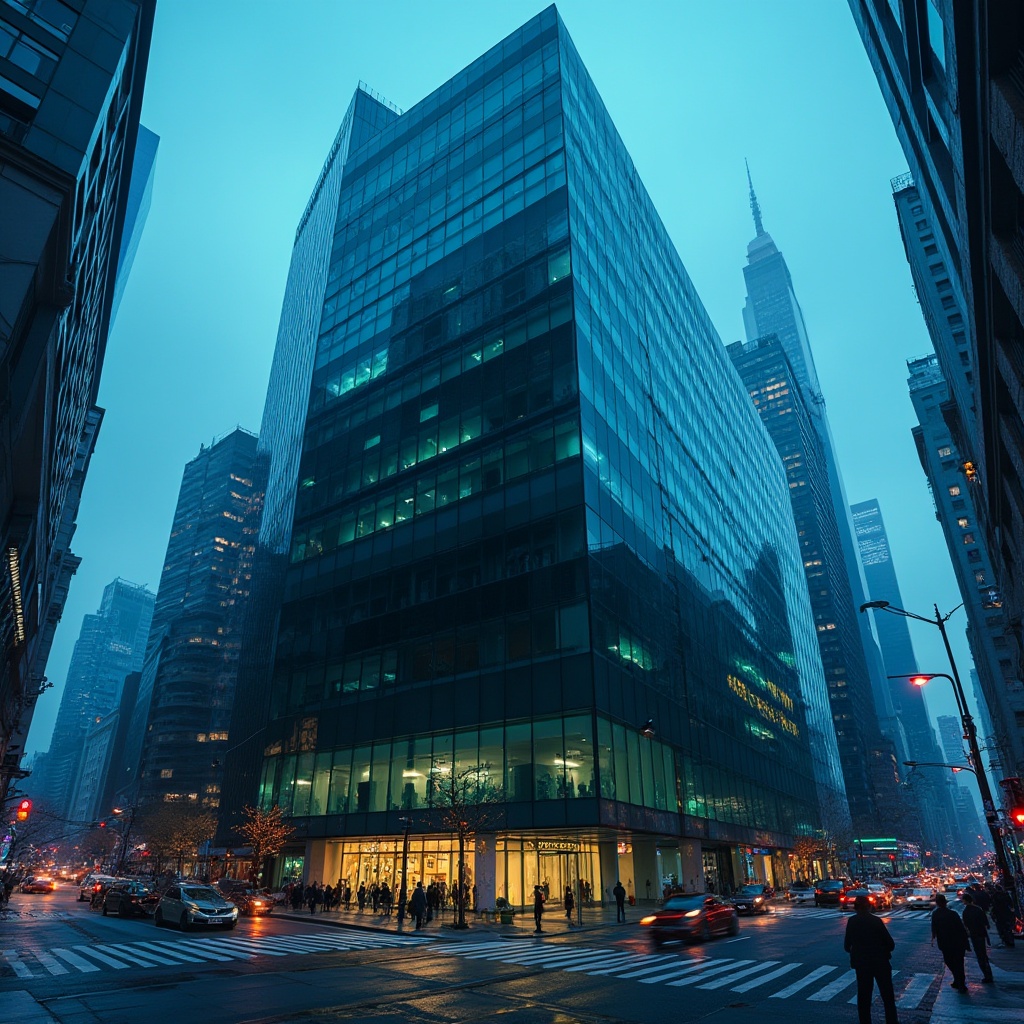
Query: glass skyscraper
[520, 520]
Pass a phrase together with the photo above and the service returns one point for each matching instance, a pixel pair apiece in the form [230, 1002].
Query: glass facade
[515, 539]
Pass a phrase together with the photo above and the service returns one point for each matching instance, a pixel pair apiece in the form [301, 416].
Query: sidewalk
[1001, 1003]
[594, 918]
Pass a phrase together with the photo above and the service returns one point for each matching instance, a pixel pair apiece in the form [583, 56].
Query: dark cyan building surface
[181, 720]
[534, 512]
[71, 81]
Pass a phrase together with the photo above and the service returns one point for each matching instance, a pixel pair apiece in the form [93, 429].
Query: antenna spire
[755, 207]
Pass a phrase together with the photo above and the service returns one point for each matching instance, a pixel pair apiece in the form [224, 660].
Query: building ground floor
[509, 864]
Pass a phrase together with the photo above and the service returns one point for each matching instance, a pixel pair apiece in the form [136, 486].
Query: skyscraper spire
[755, 207]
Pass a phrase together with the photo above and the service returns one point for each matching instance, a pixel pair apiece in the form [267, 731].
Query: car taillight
[818, 892]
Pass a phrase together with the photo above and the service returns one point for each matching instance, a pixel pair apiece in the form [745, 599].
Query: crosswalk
[182, 951]
[819, 984]
[901, 913]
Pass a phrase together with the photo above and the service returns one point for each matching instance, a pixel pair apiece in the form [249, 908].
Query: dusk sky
[247, 96]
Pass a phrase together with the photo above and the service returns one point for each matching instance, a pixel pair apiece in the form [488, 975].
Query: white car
[798, 893]
[920, 899]
[186, 905]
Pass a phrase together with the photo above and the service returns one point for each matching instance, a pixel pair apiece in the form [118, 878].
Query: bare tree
[265, 832]
[469, 802]
[176, 831]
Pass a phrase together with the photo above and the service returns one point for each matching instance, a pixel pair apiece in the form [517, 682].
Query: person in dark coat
[870, 947]
[620, 902]
[418, 905]
[569, 902]
[949, 934]
[1003, 915]
[976, 922]
[361, 897]
[538, 906]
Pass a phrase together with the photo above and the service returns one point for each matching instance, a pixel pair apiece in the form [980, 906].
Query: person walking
[361, 897]
[385, 900]
[1003, 915]
[538, 906]
[949, 934]
[620, 902]
[870, 947]
[976, 922]
[418, 905]
[312, 896]
[569, 902]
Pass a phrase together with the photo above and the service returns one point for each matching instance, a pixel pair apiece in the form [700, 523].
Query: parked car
[39, 883]
[99, 892]
[800, 892]
[187, 905]
[252, 902]
[694, 918]
[87, 888]
[128, 898]
[920, 899]
[828, 892]
[751, 899]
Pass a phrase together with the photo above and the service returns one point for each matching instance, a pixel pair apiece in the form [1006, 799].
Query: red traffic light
[24, 809]
[1018, 816]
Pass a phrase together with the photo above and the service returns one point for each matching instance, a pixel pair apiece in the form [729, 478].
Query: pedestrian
[418, 905]
[949, 934]
[327, 897]
[385, 900]
[347, 896]
[538, 906]
[296, 897]
[311, 897]
[976, 922]
[374, 897]
[433, 902]
[570, 905]
[1003, 915]
[870, 947]
[361, 897]
[620, 902]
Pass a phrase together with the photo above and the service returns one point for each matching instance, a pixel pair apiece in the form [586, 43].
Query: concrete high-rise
[179, 729]
[71, 81]
[111, 645]
[501, 553]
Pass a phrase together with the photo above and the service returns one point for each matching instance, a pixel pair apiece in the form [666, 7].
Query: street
[789, 964]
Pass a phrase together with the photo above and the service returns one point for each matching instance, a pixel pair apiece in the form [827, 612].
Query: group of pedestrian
[870, 945]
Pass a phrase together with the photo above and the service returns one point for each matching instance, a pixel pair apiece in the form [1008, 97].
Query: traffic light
[24, 809]
[1013, 793]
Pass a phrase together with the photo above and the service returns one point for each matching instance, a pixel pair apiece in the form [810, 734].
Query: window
[968, 538]
[954, 490]
[979, 577]
[963, 522]
[944, 451]
[166, 773]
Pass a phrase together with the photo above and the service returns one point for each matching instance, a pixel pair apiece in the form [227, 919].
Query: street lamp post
[970, 729]
[403, 893]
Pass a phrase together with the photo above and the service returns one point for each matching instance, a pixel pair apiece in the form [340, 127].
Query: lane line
[818, 972]
[771, 976]
[833, 988]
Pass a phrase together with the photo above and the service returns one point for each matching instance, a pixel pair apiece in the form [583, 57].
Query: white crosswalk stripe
[853, 999]
[810, 979]
[915, 991]
[178, 952]
[833, 988]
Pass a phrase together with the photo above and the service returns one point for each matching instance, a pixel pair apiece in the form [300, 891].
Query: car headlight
[692, 913]
[648, 920]
[759, 899]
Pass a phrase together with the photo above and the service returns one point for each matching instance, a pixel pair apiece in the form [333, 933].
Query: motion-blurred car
[693, 918]
[920, 899]
[252, 902]
[800, 892]
[187, 905]
[128, 898]
[88, 886]
[751, 899]
[40, 883]
[828, 892]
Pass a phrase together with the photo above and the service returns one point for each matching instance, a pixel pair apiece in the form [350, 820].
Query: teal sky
[247, 96]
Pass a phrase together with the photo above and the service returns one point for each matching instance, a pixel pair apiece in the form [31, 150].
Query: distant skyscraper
[954, 497]
[71, 81]
[782, 404]
[509, 559]
[111, 645]
[179, 728]
[901, 663]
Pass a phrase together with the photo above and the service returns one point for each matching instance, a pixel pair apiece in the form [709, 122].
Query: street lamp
[403, 893]
[940, 764]
[970, 729]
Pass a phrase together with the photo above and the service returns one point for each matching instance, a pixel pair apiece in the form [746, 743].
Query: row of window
[519, 456]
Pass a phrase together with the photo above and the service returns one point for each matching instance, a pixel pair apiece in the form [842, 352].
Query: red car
[693, 918]
[849, 897]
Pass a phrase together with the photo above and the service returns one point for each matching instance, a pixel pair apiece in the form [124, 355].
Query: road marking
[20, 969]
[129, 954]
[655, 969]
[637, 960]
[742, 938]
[49, 962]
[76, 961]
[617, 959]
[771, 976]
[680, 971]
[722, 982]
[915, 991]
[90, 951]
[833, 988]
[706, 973]
[146, 946]
[203, 948]
[818, 972]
